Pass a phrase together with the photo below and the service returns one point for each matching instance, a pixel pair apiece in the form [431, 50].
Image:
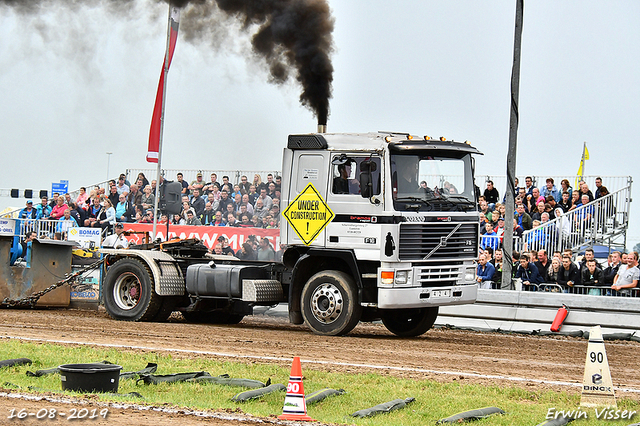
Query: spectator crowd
[537, 271]
[251, 204]
[533, 208]
[256, 204]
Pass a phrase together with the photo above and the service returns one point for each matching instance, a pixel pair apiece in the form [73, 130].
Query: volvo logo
[443, 241]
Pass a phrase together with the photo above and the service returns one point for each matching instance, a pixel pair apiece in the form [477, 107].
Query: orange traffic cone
[295, 407]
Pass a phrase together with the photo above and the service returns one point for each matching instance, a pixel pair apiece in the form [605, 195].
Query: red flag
[156, 119]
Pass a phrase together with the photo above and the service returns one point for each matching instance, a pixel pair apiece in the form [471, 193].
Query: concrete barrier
[509, 310]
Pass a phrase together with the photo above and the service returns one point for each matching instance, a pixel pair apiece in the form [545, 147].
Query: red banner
[207, 234]
[156, 118]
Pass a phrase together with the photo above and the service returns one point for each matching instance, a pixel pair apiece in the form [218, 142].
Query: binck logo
[598, 388]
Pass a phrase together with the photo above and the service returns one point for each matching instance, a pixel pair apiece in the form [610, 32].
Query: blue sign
[61, 187]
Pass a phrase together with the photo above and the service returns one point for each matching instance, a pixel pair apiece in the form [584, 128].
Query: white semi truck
[378, 226]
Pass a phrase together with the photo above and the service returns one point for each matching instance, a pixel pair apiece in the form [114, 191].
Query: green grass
[433, 400]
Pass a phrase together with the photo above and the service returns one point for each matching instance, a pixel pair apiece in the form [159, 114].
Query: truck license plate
[441, 293]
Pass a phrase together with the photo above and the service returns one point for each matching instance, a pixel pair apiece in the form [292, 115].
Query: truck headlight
[470, 275]
[402, 277]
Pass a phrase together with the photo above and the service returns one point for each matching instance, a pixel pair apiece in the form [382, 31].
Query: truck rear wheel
[409, 322]
[330, 303]
[128, 292]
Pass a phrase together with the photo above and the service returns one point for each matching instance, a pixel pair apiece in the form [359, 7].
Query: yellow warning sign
[308, 214]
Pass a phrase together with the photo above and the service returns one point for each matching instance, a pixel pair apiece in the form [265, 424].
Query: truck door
[357, 222]
[307, 168]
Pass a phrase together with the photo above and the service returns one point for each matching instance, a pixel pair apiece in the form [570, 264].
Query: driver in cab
[406, 177]
[342, 184]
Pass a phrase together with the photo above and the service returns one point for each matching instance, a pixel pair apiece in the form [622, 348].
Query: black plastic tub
[90, 377]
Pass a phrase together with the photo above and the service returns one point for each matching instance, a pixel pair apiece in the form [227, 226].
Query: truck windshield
[432, 182]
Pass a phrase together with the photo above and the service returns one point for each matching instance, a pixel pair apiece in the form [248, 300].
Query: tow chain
[33, 299]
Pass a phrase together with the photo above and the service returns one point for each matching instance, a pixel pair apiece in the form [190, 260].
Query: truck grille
[439, 275]
[438, 241]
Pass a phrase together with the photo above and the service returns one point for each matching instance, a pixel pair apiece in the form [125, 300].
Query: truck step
[262, 291]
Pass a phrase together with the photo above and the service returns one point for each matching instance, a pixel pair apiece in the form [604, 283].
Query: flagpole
[584, 150]
[507, 246]
[164, 94]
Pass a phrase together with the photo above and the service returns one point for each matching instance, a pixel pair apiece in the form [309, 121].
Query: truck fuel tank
[247, 282]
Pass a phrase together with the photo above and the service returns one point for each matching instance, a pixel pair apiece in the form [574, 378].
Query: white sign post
[85, 236]
[8, 227]
[597, 387]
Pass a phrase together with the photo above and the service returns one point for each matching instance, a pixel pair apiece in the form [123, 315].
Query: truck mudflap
[421, 297]
[167, 276]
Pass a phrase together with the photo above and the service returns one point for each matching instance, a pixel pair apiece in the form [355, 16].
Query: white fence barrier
[528, 311]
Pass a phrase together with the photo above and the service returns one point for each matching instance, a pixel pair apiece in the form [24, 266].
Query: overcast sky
[77, 83]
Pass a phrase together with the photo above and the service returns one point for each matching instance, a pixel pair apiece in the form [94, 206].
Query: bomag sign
[308, 214]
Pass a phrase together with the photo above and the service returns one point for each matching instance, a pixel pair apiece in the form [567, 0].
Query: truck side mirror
[366, 178]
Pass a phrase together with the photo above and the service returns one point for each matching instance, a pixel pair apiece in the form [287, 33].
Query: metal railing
[189, 176]
[602, 221]
[604, 291]
[45, 228]
[613, 183]
[582, 289]
[12, 214]
[576, 289]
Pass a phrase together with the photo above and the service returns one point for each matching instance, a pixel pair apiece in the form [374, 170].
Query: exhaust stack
[322, 128]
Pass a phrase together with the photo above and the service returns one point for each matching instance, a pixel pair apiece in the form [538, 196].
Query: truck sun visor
[307, 142]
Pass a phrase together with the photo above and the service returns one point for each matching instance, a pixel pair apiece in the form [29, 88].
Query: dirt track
[447, 354]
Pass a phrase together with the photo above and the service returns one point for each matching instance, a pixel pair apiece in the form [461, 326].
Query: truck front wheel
[128, 292]
[409, 322]
[330, 303]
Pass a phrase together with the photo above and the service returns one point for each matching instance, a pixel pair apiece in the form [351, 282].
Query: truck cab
[379, 226]
[403, 237]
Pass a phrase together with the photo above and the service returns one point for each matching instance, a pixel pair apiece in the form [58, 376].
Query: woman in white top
[110, 213]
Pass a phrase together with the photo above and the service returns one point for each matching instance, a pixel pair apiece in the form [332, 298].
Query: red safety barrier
[207, 234]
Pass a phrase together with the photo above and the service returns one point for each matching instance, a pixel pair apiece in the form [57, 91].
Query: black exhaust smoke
[292, 36]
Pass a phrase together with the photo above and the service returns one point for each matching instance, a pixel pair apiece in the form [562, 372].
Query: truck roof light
[409, 137]
[427, 138]
[387, 138]
[442, 138]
